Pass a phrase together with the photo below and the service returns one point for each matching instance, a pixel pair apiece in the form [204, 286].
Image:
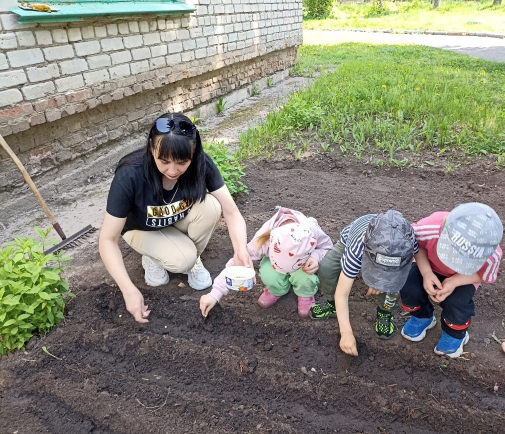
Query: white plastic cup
[239, 278]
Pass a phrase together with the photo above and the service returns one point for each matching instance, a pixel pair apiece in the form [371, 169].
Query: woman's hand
[207, 302]
[348, 344]
[242, 257]
[135, 305]
[311, 266]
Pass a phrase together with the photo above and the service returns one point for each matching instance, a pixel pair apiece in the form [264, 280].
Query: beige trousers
[177, 247]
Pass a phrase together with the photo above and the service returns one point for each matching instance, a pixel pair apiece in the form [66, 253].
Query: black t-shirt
[131, 196]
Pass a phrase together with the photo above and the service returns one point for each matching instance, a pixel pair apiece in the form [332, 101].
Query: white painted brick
[232, 37]
[201, 53]
[141, 53]
[44, 37]
[182, 34]
[60, 36]
[123, 28]
[101, 61]
[174, 59]
[87, 48]
[228, 28]
[212, 40]
[159, 50]
[25, 57]
[162, 24]
[25, 39]
[121, 57]
[201, 43]
[196, 33]
[36, 91]
[153, 25]
[219, 9]
[237, 27]
[134, 26]
[169, 36]
[12, 78]
[10, 96]
[189, 45]
[187, 56]
[74, 34]
[8, 41]
[211, 51]
[119, 71]
[133, 41]
[229, 9]
[152, 38]
[138, 67]
[144, 26]
[43, 73]
[59, 52]
[112, 29]
[100, 31]
[175, 47]
[157, 62]
[88, 32]
[111, 44]
[96, 77]
[209, 30]
[202, 10]
[73, 66]
[3, 62]
[69, 83]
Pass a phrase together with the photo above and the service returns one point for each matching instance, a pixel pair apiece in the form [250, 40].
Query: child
[458, 251]
[382, 247]
[290, 246]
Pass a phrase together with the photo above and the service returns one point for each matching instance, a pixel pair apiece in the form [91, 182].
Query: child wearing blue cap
[457, 251]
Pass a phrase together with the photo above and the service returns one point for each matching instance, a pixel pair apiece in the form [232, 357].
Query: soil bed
[247, 369]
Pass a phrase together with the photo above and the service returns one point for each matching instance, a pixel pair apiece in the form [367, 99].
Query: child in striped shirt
[457, 251]
[382, 247]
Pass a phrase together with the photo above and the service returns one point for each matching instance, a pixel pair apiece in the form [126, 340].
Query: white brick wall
[113, 59]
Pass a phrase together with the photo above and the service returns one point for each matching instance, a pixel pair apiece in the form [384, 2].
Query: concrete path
[485, 48]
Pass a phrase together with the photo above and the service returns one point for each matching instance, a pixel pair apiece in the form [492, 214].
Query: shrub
[229, 166]
[317, 8]
[32, 291]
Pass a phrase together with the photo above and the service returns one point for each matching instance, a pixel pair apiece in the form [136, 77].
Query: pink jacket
[324, 244]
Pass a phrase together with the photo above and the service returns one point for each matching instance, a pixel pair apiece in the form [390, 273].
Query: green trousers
[304, 285]
[329, 272]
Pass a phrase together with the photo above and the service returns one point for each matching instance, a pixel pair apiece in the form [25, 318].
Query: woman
[158, 202]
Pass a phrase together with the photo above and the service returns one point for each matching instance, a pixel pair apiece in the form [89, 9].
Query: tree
[436, 4]
[496, 2]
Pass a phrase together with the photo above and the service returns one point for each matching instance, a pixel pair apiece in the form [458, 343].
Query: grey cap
[388, 252]
[470, 236]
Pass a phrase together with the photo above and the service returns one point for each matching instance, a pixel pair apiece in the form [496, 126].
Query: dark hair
[174, 145]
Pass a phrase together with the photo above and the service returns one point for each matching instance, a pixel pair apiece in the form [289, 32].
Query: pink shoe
[304, 305]
[267, 299]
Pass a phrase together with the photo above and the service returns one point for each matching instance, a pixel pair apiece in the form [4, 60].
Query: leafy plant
[317, 8]
[270, 82]
[255, 90]
[32, 290]
[196, 119]
[325, 147]
[220, 104]
[229, 165]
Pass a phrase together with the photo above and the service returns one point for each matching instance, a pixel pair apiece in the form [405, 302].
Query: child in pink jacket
[290, 246]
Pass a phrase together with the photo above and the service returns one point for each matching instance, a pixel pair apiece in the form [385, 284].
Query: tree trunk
[496, 2]
[436, 4]
[381, 4]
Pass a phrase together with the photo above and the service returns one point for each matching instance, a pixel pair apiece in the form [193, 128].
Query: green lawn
[388, 101]
[416, 15]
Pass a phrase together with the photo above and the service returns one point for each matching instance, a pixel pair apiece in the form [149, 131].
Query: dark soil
[246, 369]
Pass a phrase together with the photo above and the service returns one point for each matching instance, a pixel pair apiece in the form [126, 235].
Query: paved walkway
[485, 48]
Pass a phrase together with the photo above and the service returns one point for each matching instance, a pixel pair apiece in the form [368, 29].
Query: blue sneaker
[449, 346]
[415, 328]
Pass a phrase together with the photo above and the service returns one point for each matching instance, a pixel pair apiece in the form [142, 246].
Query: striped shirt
[428, 231]
[352, 238]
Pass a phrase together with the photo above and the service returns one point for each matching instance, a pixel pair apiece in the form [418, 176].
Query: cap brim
[382, 280]
[451, 258]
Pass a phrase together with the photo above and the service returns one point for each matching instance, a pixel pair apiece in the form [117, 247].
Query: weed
[255, 90]
[298, 154]
[196, 119]
[325, 147]
[270, 82]
[220, 105]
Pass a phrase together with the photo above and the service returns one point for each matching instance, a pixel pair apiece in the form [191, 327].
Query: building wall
[68, 89]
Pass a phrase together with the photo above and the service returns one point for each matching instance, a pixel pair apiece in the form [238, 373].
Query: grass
[415, 15]
[384, 102]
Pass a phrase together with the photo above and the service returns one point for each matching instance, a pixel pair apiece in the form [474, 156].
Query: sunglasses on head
[183, 128]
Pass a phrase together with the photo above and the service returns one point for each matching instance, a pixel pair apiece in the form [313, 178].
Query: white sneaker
[154, 274]
[198, 277]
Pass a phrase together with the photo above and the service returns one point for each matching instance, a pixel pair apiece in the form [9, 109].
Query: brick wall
[70, 88]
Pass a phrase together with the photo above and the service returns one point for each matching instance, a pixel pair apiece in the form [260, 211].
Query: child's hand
[448, 288]
[431, 284]
[503, 346]
[372, 291]
[207, 302]
[311, 266]
[348, 344]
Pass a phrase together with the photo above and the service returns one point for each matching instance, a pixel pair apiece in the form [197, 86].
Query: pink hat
[290, 247]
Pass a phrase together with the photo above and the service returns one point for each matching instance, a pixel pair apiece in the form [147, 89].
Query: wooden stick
[33, 187]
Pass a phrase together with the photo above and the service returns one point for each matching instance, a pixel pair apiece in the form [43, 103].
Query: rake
[67, 242]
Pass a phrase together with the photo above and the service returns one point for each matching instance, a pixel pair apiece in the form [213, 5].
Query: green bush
[317, 8]
[229, 166]
[32, 291]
